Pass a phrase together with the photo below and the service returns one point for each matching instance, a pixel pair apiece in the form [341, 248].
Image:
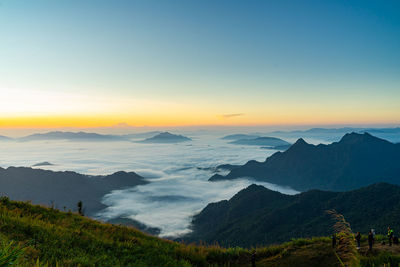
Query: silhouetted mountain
[269, 142]
[226, 167]
[239, 136]
[257, 215]
[357, 160]
[72, 136]
[44, 163]
[64, 189]
[334, 134]
[141, 135]
[5, 138]
[166, 137]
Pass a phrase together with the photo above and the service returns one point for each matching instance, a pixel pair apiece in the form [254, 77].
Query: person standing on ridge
[334, 240]
[370, 239]
[390, 236]
[253, 259]
[358, 239]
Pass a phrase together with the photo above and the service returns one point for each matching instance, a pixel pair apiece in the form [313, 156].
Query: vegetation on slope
[39, 236]
[259, 216]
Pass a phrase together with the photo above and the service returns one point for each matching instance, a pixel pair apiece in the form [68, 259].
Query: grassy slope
[68, 239]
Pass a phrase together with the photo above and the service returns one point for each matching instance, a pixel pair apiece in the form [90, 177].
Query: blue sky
[296, 59]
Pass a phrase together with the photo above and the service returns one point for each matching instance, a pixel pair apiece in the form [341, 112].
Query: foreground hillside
[259, 216]
[63, 189]
[39, 236]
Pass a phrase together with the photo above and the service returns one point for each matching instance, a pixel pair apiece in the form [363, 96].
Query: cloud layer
[178, 174]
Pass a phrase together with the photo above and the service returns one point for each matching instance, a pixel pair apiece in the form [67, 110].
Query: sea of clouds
[178, 174]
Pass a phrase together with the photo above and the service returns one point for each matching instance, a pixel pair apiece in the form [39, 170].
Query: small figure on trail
[253, 259]
[395, 240]
[80, 208]
[333, 240]
[358, 239]
[370, 239]
[390, 236]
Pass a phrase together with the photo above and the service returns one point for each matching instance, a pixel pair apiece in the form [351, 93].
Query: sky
[96, 63]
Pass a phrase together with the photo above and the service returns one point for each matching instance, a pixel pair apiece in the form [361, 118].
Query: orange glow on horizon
[170, 121]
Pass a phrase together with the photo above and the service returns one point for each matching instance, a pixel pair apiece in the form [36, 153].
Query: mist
[178, 173]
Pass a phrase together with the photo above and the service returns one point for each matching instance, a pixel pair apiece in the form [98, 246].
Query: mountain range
[150, 137]
[140, 135]
[356, 160]
[239, 136]
[333, 134]
[72, 136]
[259, 216]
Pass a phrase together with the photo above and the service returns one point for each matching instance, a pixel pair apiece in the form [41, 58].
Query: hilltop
[356, 160]
[63, 189]
[166, 138]
[259, 216]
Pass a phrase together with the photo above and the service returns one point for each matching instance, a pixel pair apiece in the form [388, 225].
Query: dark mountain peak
[255, 187]
[256, 216]
[217, 177]
[166, 134]
[256, 192]
[123, 174]
[64, 188]
[44, 163]
[300, 141]
[166, 137]
[354, 138]
[365, 158]
[299, 144]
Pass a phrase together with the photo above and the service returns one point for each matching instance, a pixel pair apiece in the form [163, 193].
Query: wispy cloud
[228, 116]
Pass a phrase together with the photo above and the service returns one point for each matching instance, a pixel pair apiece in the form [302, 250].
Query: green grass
[39, 236]
[10, 253]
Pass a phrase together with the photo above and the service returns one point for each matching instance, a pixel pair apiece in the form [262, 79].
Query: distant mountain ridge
[76, 136]
[333, 134]
[270, 142]
[239, 136]
[63, 189]
[355, 161]
[259, 216]
[5, 138]
[166, 137]
[80, 136]
[141, 135]
[44, 163]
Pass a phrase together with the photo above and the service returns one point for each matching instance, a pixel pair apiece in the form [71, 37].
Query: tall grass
[346, 250]
[47, 237]
[10, 253]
